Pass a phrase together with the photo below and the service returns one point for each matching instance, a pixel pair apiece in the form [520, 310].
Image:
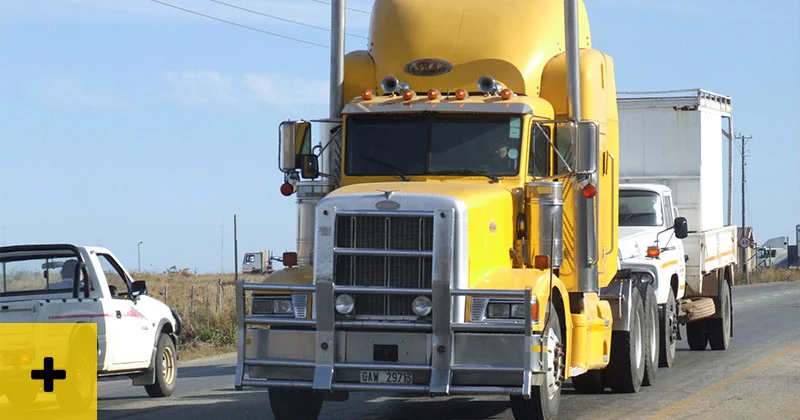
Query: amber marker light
[461, 94]
[653, 251]
[433, 94]
[506, 94]
[409, 94]
[287, 189]
[367, 94]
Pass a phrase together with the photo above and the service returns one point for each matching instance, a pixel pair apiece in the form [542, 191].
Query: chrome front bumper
[444, 357]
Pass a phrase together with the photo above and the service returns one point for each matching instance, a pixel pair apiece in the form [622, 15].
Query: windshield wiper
[397, 171]
[466, 172]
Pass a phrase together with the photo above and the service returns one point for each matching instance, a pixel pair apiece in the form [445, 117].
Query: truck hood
[487, 208]
[634, 240]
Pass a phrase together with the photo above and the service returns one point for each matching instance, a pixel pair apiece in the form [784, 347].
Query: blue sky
[129, 121]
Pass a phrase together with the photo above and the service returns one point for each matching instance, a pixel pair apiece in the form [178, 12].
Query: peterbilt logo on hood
[428, 67]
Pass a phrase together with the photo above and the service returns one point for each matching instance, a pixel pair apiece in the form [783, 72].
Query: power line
[322, 28]
[348, 8]
[240, 25]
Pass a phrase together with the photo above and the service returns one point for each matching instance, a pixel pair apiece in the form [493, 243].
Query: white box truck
[671, 151]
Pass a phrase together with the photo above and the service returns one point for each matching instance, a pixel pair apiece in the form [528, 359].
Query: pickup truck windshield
[431, 144]
[38, 274]
[639, 208]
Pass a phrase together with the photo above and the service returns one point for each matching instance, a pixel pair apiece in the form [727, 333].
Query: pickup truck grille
[384, 233]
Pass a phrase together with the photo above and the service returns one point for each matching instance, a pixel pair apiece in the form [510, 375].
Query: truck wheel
[668, 335]
[545, 399]
[294, 404]
[696, 335]
[166, 370]
[719, 329]
[626, 368]
[590, 382]
[651, 335]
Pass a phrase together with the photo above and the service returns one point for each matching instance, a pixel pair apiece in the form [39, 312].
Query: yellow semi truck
[457, 220]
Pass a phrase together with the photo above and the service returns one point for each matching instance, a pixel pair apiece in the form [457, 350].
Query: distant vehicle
[137, 336]
[774, 253]
[258, 262]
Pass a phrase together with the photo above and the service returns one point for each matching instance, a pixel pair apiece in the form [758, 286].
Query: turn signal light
[289, 259]
[409, 94]
[287, 189]
[541, 262]
[367, 94]
[506, 94]
[433, 94]
[461, 94]
[589, 191]
[653, 251]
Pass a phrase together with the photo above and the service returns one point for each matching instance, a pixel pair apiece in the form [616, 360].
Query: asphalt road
[758, 377]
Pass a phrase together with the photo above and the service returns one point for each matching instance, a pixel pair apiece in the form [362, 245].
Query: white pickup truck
[137, 335]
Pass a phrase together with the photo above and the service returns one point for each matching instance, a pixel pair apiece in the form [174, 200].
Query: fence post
[219, 295]
[166, 294]
[191, 301]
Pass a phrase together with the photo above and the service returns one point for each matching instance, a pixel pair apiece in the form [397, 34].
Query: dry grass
[209, 317]
[771, 275]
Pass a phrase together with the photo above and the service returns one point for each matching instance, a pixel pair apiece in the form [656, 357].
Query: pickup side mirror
[138, 288]
[681, 228]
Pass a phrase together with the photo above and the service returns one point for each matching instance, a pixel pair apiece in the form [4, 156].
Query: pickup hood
[634, 240]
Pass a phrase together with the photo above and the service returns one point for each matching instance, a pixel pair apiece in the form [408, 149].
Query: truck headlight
[345, 304]
[272, 305]
[646, 278]
[512, 310]
[498, 310]
[421, 305]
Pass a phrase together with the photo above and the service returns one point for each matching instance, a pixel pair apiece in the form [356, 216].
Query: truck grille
[409, 233]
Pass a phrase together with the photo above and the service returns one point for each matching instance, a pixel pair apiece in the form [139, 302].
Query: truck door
[132, 336]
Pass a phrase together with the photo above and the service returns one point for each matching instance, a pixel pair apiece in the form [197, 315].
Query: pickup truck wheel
[81, 393]
[626, 367]
[696, 335]
[294, 404]
[21, 396]
[166, 369]
[545, 399]
[668, 323]
[719, 329]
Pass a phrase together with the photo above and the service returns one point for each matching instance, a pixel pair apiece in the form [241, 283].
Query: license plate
[385, 377]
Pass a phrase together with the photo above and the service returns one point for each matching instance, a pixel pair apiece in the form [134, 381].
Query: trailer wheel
[545, 399]
[294, 404]
[668, 323]
[626, 368]
[696, 335]
[652, 341]
[719, 329]
[591, 382]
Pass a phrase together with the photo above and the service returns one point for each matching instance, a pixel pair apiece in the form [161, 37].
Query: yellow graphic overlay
[48, 371]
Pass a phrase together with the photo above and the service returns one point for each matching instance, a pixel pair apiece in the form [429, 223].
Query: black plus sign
[48, 375]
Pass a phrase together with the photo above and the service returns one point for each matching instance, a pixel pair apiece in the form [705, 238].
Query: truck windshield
[639, 208]
[431, 144]
[37, 274]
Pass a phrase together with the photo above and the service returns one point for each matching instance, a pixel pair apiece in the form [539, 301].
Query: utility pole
[744, 139]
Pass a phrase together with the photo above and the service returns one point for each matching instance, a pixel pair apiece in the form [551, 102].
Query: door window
[115, 277]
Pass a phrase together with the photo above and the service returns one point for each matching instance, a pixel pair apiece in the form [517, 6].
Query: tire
[626, 367]
[696, 335]
[165, 367]
[719, 329]
[591, 382]
[545, 399]
[668, 331]
[651, 335]
[22, 396]
[82, 393]
[294, 404]
[698, 308]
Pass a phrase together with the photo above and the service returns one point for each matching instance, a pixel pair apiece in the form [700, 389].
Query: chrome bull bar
[441, 330]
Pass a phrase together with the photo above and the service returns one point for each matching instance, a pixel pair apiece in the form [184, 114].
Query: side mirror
[309, 166]
[293, 142]
[577, 145]
[681, 228]
[138, 288]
